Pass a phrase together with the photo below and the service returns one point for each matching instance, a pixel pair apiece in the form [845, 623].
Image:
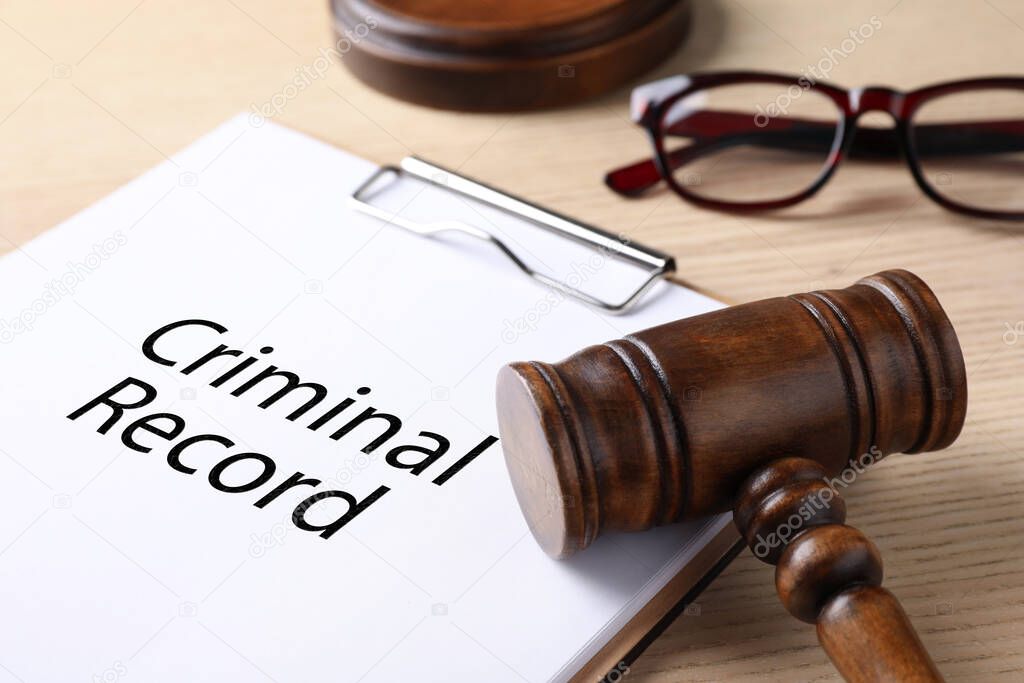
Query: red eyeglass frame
[634, 179]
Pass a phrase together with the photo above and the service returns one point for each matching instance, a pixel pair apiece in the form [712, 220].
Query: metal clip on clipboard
[656, 264]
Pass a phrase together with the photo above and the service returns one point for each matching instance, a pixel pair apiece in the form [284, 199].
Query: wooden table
[93, 94]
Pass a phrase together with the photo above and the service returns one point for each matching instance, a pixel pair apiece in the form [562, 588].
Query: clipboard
[613, 660]
[359, 306]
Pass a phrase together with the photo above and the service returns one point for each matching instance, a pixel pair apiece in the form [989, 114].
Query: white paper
[114, 565]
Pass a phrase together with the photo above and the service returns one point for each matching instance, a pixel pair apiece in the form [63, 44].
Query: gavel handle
[869, 638]
[829, 574]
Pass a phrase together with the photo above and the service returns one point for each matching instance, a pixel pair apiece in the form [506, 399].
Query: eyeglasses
[748, 141]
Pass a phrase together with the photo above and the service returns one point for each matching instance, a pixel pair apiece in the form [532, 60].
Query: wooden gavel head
[668, 423]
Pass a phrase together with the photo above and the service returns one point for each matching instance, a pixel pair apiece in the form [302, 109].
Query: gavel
[758, 409]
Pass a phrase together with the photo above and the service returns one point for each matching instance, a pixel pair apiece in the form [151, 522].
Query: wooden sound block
[495, 55]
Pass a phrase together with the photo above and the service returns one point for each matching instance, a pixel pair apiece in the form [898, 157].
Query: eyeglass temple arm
[712, 131]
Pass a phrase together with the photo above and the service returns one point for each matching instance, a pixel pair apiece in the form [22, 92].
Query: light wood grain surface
[93, 94]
